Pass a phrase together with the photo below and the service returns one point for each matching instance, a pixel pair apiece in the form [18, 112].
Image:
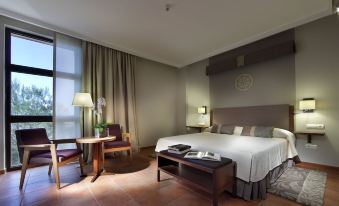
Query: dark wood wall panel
[269, 48]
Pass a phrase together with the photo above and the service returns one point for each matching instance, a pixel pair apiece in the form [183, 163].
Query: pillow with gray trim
[247, 131]
[226, 129]
[266, 132]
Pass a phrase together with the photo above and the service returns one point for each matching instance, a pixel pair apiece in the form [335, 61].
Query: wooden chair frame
[55, 162]
[125, 137]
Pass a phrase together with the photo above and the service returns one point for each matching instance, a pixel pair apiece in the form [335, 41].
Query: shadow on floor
[123, 164]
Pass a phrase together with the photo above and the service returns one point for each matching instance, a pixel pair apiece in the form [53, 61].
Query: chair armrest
[126, 136]
[36, 147]
[63, 141]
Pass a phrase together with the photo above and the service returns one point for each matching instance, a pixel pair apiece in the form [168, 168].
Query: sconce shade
[202, 110]
[82, 100]
[307, 105]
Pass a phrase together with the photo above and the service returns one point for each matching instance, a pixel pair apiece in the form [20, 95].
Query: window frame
[9, 68]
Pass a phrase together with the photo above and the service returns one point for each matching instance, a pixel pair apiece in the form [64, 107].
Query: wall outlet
[315, 126]
[311, 146]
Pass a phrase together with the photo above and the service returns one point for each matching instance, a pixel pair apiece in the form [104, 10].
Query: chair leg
[24, 168]
[81, 162]
[55, 166]
[50, 168]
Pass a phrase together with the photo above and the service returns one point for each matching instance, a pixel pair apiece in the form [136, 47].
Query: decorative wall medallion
[244, 82]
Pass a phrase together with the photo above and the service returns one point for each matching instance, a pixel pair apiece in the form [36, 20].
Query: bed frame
[281, 116]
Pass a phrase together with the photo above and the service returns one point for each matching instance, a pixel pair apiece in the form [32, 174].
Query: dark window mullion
[29, 35]
[21, 118]
[30, 70]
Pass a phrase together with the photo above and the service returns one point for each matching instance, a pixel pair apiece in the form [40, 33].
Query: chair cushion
[116, 144]
[115, 130]
[63, 154]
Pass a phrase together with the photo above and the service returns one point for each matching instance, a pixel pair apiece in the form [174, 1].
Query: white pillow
[237, 130]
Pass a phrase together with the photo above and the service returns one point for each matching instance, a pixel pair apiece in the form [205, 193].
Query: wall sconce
[202, 110]
[307, 105]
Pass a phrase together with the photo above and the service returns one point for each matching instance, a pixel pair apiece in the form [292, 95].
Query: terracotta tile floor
[126, 183]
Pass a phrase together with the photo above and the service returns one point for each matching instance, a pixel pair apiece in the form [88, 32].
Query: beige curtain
[110, 74]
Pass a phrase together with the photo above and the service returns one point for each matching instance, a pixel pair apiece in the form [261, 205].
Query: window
[30, 52]
[29, 87]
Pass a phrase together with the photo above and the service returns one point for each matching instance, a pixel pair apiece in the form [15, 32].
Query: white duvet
[255, 156]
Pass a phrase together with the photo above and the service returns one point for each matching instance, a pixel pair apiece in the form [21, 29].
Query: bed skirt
[255, 190]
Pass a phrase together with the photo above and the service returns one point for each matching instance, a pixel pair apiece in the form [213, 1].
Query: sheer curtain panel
[68, 70]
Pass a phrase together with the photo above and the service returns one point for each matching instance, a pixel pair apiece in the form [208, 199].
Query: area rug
[301, 185]
[123, 164]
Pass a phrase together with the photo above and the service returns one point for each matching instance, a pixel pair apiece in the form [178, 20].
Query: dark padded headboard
[280, 116]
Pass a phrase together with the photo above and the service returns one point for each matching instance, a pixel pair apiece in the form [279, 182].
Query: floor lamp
[82, 100]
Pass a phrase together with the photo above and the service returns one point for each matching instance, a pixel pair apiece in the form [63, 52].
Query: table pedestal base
[97, 175]
[97, 162]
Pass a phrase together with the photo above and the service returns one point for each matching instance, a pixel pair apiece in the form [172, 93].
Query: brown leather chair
[36, 149]
[121, 143]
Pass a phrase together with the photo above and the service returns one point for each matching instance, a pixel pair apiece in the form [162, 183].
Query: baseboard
[2, 172]
[310, 164]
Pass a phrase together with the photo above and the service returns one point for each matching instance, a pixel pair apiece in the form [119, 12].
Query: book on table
[179, 148]
[203, 156]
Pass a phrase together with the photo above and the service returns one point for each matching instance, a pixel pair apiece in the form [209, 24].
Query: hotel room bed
[259, 160]
[256, 157]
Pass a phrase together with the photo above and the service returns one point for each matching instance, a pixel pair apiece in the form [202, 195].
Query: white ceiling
[191, 31]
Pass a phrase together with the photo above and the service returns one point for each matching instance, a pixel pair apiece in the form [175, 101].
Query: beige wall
[156, 86]
[197, 93]
[274, 83]
[181, 101]
[317, 75]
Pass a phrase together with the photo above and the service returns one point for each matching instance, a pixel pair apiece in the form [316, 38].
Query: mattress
[255, 156]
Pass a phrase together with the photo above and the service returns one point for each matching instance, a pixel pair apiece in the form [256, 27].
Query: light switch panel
[315, 126]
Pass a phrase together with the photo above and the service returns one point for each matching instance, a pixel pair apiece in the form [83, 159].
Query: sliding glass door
[29, 87]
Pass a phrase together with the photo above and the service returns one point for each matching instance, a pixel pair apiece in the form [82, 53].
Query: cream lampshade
[307, 105]
[82, 100]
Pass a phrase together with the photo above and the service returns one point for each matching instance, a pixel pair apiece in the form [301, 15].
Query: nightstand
[309, 134]
[200, 128]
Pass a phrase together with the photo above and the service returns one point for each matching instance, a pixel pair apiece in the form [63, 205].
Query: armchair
[121, 143]
[36, 149]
